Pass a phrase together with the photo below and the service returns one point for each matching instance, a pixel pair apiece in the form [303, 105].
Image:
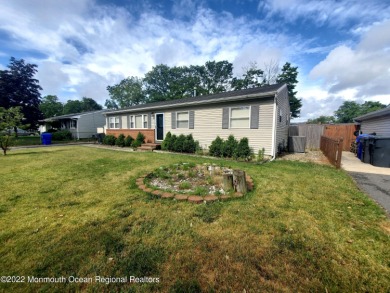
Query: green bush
[171, 145]
[120, 141]
[229, 146]
[243, 151]
[216, 147]
[167, 142]
[128, 141]
[189, 145]
[109, 140]
[138, 141]
[62, 135]
[178, 146]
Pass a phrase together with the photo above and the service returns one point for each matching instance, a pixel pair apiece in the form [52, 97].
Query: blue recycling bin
[46, 138]
[360, 145]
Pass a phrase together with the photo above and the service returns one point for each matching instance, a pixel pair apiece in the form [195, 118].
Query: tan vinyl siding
[208, 124]
[379, 125]
[282, 126]
[124, 122]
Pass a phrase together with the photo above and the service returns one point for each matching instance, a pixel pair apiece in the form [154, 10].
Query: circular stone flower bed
[193, 183]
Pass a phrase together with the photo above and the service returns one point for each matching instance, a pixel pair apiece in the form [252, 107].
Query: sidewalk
[350, 163]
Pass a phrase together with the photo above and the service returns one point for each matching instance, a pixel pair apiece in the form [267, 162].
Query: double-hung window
[182, 119]
[114, 122]
[139, 121]
[240, 117]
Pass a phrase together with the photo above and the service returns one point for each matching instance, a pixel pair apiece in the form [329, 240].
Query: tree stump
[227, 181]
[239, 181]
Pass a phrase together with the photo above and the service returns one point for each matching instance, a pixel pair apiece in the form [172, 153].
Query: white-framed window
[145, 121]
[280, 115]
[182, 120]
[114, 122]
[139, 121]
[73, 124]
[240, 117]
[63, 124]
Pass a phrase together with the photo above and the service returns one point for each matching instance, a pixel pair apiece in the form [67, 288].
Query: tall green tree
[215, 77]
[73, 106]
[19, 88]
[351, 109]
[51, 106]
[129, 92]
[90, 105]
[10, 119]
[289, 75]
[253, 77]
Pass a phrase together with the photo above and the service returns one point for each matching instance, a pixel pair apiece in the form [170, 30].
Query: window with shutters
[145, 119]
[182, 119]
[240, 117]
[114, 122]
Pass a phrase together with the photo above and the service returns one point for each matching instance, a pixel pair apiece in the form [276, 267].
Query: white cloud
[332, 12]
[89, 46]
[365, 68]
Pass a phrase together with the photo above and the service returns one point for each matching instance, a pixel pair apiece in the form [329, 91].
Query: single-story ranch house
[260, 114]
[81, 125]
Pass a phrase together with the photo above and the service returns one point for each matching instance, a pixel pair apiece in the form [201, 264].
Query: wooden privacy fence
[312, 132]
[342, 130]
[332, 149]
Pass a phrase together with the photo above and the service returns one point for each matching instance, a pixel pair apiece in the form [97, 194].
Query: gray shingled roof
[378, 113]
[71, 115]
[265, 91]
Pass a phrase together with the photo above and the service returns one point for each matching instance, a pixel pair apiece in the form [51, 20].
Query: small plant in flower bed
[188, 178]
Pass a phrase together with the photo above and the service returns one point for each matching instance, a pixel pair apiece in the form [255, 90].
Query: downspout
[77, 129]
[274, 130]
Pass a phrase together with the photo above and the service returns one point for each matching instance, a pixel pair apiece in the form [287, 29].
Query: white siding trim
[273, 148]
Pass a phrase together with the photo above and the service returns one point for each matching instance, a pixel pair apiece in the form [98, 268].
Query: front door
[159, 126]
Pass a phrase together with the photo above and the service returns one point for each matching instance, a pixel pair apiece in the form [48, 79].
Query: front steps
[149, 147]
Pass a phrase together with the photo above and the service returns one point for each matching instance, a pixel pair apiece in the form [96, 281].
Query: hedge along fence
[332, 149]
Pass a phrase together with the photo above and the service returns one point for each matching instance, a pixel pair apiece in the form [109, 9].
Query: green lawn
[76, 211]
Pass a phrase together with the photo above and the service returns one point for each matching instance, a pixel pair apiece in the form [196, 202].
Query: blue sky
[342, 48]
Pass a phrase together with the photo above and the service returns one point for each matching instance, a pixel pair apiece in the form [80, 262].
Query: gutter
[273, 149]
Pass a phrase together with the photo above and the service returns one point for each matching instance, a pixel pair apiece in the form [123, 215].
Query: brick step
[148, 146]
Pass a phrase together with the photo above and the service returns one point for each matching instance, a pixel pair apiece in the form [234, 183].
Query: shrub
[189, 145]
[138, 141]
[229, 146]
[178, 145]
[243, 151]
[109, 140]
[260, 155]
[167, 142]
[120, 141]
[216, 146]
[62, 135]
[128, 141]
[173, 140]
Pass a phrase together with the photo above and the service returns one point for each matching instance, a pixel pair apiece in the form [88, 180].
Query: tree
[129, 92]
[9, 119]
[90, 105]
[215, 77]
[253, 77]
[322, 120]
[351, 109]
[51, 106]
[289, 76]
[73, 106]
[18, 88]
[271, 71]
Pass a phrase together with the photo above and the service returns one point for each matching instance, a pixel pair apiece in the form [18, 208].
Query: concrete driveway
[375, 181]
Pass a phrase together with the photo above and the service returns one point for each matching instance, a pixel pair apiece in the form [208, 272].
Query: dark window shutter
[128, 121]
[255, 117]
[191, 122]
[173, 116]
[225, 118]
[149, 120]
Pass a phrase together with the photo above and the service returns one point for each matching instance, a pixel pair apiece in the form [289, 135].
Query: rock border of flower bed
[196, 199]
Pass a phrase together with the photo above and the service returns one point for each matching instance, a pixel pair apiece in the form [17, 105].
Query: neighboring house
[378, 122]
[260, 114]
[81, 125]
